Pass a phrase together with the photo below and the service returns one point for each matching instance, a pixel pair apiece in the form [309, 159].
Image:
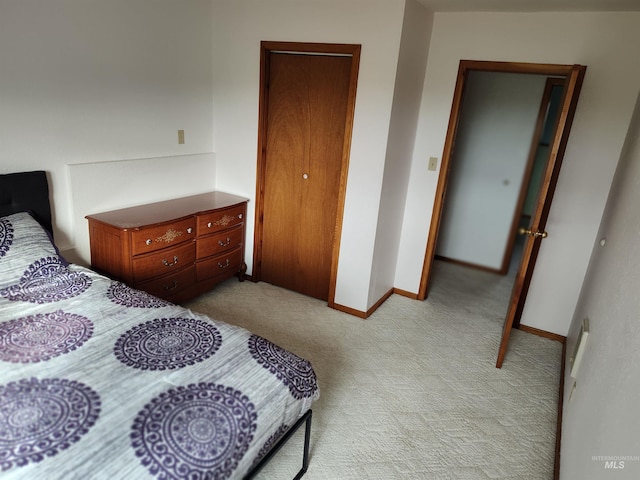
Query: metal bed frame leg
[306, 419]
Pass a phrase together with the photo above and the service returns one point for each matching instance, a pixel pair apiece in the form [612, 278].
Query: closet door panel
[307, 106]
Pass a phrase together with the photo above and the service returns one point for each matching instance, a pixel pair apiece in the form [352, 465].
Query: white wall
[601, 418]
[89, 81]
[495, 133]
[412, 60]
[103, 186]
[239, 26]
[605, 42]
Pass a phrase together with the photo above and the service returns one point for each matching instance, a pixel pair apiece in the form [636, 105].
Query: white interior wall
[600, 419]
[412, 60]
[497, 123]
[605, 42]
[91, 81]
[103, 186]
[239, 26]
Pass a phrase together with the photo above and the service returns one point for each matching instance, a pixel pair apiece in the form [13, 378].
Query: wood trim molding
[405, 293]
[563, 340]
[349, 310]
[260, 173]
[549, 69]
[309, 47]
[556, 463]
[542, 333]
[360, 313]
[470, 265]
[382, 299]
[436, 215]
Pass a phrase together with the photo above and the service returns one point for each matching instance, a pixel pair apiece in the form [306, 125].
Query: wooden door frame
[464, 68]
[573, 76]
[266, 48]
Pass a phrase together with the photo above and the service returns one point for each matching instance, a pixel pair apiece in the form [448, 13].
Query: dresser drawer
[154, 238]
[163, 262]
[219, 242]
[220, 220]
[227, 263]
[169, 285]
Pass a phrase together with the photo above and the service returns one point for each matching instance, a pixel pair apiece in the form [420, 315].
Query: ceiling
[531, 5]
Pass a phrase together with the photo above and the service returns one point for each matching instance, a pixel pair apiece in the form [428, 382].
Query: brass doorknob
[524, 231]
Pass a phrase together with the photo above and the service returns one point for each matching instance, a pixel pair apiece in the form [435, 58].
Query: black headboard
[26, 192]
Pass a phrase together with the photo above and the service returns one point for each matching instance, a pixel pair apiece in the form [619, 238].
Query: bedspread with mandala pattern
[98, 380]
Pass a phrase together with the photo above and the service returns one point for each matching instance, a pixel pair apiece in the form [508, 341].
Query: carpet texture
[412, 392]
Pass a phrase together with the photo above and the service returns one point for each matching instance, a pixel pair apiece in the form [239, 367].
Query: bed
[98, 380]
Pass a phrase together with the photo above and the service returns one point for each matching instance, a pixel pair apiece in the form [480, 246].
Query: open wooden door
[536, 233]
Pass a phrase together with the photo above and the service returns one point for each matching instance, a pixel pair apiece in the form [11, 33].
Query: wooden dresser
[176, 249]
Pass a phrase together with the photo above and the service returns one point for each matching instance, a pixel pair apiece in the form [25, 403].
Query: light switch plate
[181, 137]
[433, 163]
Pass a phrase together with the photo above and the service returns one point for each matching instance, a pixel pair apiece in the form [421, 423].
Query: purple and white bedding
[98, 380]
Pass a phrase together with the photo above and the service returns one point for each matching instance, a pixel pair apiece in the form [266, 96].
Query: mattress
[98, 380]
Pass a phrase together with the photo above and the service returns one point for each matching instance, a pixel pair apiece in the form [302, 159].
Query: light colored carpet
[412, 392]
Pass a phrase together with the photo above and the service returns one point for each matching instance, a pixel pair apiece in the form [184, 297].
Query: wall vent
[578, 351]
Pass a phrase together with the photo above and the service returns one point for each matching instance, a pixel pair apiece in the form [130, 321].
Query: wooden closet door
[307, 105]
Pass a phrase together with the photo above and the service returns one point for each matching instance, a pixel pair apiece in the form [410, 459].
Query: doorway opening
[570, 78]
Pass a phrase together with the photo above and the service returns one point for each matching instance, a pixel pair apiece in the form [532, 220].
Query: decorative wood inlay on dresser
[176, 249]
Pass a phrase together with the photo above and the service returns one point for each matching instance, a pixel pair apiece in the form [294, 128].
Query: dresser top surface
[167, 210]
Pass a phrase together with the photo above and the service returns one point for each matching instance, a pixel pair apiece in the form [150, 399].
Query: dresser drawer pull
[189, 229]
[209, 225]
[149, 241]
[224, 244]
[167, 264]
[240, 216]
[171, 287]
[224, 265]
